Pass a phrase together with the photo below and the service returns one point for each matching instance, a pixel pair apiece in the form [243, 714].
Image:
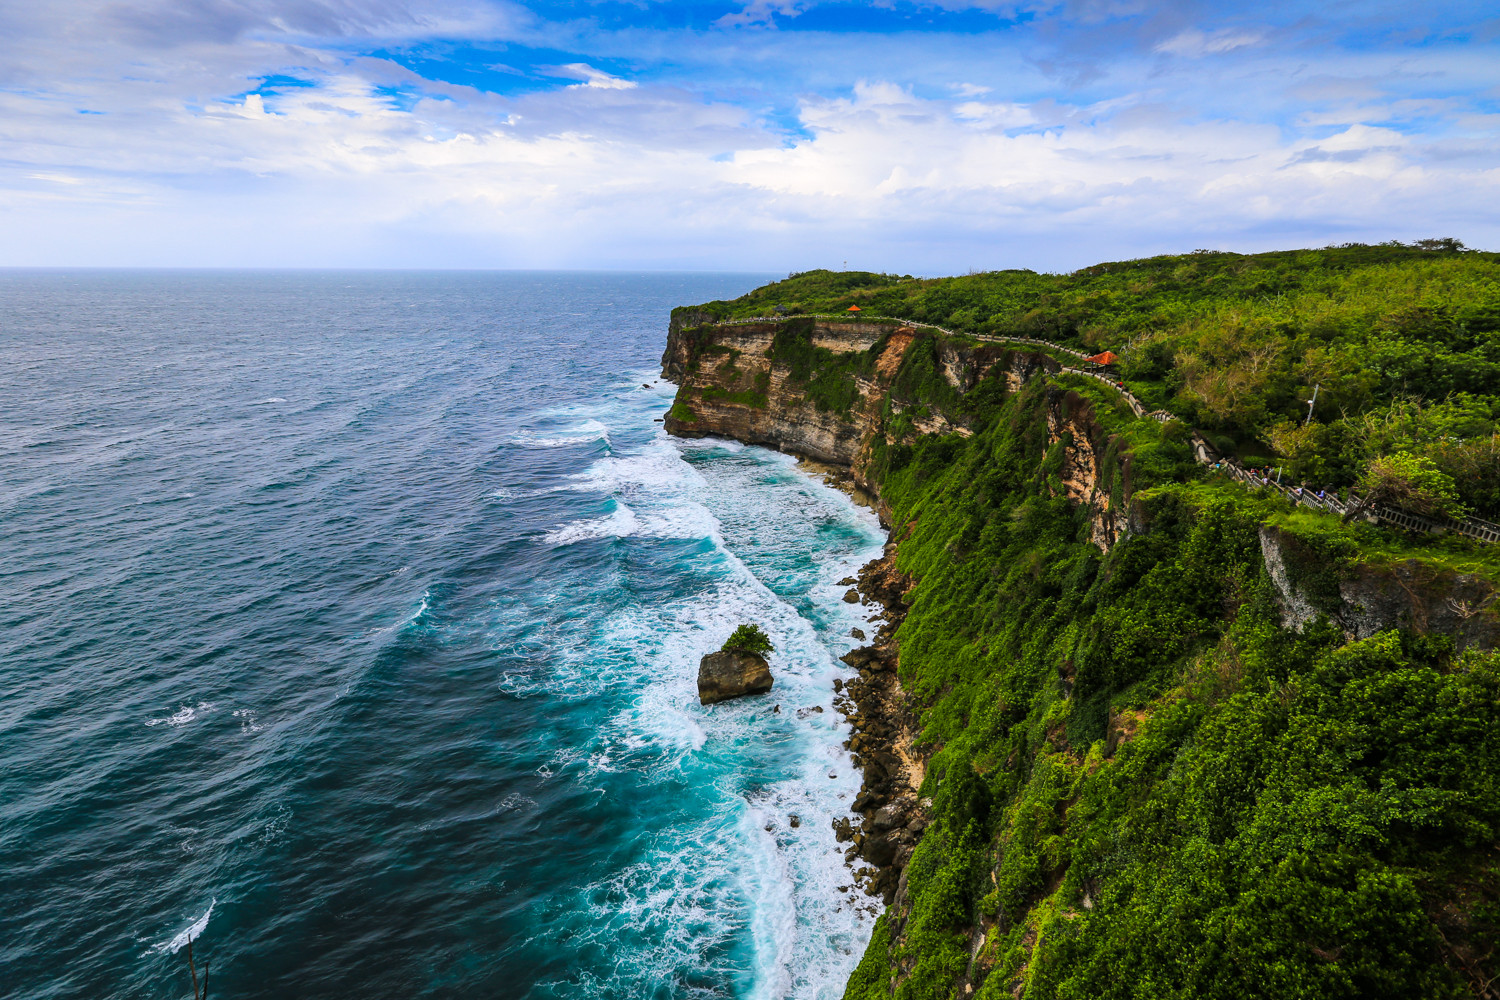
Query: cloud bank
[917, 138]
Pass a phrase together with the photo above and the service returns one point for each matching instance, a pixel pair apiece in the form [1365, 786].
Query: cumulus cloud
[186, 158]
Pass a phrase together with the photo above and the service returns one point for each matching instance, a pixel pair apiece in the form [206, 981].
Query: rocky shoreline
[891, 816]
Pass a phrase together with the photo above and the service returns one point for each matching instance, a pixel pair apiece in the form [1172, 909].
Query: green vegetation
[1282, 815]
[827, 376]
[1144, 785]
[749, 639]
[1401, 344]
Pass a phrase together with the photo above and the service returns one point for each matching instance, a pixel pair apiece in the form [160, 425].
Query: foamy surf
[188, 934]
[183, 715]
[754, 882]
[561, 437]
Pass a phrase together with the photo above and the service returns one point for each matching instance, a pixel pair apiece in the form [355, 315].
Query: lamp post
[1311, 403]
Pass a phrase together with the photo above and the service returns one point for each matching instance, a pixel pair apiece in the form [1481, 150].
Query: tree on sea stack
[749, 638]
[737, 669]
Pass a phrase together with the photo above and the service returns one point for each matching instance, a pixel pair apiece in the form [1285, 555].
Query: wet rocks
[732, 673]
[871, 658]
[889, 815]
[889, 820]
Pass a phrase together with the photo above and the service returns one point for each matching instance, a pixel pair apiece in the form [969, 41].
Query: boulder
[732, 673]
[889, 816]
[879, 851]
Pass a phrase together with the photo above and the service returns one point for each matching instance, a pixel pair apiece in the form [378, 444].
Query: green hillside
[1401, 342]
[1145, 784]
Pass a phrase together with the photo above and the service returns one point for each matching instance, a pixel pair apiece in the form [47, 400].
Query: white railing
[1135, 404]
[904, 322]
[1472, 527]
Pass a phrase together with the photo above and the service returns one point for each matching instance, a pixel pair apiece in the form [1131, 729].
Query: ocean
[351, 621]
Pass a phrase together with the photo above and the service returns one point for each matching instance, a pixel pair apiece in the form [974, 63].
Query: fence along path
[1136, 406]
[1472, 527]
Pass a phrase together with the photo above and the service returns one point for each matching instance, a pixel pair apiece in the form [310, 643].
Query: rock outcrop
[732, 673]
[1093, 473]
[736, 382]
[1363, 598]
[883, 743]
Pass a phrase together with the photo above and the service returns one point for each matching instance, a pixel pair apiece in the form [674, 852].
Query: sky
[768, 135]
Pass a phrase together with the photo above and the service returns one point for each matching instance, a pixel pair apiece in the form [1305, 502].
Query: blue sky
[769, 135]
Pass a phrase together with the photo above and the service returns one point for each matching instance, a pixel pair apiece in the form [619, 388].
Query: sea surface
[350, 621]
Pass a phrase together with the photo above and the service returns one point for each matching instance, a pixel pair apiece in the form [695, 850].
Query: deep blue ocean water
[360, 613]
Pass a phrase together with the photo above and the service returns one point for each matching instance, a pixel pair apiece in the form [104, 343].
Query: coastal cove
[365, 609]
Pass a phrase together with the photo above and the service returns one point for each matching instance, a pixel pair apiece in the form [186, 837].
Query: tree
[749, 639]
[1410, 482]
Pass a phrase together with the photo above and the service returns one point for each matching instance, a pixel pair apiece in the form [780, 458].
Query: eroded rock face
[1087, 474]
[732, 674]
[1365, 599]
[732, 385]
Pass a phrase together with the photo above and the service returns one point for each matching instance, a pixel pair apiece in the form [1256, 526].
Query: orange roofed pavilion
[1106, 358]
[853, 309]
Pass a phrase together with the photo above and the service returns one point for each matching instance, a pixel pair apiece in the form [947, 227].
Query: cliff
[1363, 598]
[828, 390]
[1129, 728]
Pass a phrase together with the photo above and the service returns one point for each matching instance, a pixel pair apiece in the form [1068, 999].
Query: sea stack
[732, 673]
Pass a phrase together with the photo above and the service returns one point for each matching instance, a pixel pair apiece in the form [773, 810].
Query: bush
[749, 639]
[1411, 482]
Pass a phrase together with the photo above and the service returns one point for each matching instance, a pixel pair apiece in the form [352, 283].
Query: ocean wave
[562, 437]
[189, 934]
[183, 715]
[680, 521]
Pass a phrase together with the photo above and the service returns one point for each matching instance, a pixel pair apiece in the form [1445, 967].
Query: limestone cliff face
[740, 381]
[1363, 599]
[731, 387]
[1092, 474]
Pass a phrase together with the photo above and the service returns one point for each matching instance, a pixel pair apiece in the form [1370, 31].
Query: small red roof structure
[1106, 358]
[853, 309]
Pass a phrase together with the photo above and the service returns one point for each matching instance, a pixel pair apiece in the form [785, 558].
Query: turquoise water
[364, 609]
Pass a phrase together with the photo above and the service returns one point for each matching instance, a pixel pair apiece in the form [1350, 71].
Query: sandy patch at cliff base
[838, 477]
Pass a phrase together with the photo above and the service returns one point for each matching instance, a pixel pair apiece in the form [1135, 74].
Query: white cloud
[761, 13]
[335, 174]
[607, 171]
[1195, 44]
[591, 77]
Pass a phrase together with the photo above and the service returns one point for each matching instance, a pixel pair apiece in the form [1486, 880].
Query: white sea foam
[739, 884]
[190, 933]
[248, 725]
[562, 437]
[271, 399]
[619, 523]
[184, 714]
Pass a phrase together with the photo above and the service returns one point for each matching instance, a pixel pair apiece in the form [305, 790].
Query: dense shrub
[749, 639]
